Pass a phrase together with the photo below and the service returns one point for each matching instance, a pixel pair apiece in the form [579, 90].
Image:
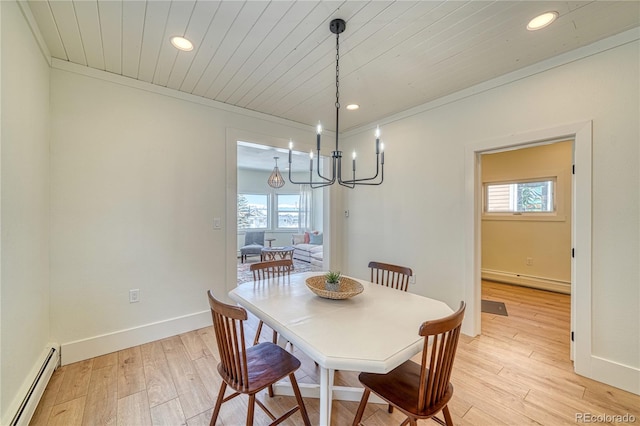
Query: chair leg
[216, 410]
[251, 409]
[390, 409]
[255, 340]
[361, 407]
[447, 416]
[296, 391]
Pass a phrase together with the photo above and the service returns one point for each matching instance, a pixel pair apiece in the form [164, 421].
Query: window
[288, 210]
[257, 211]
[520, 197]
[253, 211]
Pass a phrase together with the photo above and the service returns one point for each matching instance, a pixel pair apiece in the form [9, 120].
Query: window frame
[276, 211]
[272, 211]
[269, 213]
[558, 182]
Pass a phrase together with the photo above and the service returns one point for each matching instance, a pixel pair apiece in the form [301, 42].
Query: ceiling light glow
[181, 43]
[353, 107]
[542, 21]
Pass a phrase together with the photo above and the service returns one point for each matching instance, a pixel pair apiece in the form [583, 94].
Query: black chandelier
[337, 26]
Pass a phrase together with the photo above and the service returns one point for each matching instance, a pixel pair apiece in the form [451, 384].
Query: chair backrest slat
[271, 269]
[228, 323]
[390, 275]
[440, 345]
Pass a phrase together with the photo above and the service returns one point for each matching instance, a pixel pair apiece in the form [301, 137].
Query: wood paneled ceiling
[278, 57]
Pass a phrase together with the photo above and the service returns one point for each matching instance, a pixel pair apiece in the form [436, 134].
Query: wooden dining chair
[249, 370]
[420, 391]
[390, 275]
[266, 270]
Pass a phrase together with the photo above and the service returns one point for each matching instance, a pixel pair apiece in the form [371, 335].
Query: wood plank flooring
[517, 372]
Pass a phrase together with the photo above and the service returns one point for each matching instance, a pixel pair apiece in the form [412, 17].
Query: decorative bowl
[348, 288]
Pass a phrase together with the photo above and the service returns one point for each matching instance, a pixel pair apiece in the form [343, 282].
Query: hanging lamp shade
[275, 179]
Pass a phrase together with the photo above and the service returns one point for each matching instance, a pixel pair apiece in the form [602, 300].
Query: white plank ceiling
[278, 57]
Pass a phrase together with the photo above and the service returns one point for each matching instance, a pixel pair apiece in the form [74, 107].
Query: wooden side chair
[420, 391]
[390, 275]
[266, 270]
[249, 370]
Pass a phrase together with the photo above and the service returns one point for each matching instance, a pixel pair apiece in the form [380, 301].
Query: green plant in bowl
[332, 281]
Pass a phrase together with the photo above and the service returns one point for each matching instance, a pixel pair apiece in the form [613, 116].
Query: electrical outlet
[134, 295]
[529, 261]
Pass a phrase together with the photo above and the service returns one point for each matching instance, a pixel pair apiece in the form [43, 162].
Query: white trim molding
[581, 233]
[106, 343]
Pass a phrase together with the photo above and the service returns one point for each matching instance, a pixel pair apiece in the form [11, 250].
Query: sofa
[308, 247]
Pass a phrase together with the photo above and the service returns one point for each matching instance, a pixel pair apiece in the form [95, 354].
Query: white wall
[24, 138]
[137, 178]
[421, 221]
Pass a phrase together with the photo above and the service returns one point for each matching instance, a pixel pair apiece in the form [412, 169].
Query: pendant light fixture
[337, 27]
[275, 179]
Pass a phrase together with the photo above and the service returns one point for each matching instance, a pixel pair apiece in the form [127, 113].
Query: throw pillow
[297, 239]
[306, 238]
[315, 239]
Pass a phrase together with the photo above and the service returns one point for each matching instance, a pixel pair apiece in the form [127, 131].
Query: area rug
[245, 274]
[497, 308]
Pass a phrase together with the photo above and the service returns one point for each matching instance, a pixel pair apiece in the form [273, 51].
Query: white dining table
[374, 331]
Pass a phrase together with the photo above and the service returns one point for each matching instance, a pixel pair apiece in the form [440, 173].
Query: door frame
[581, 233]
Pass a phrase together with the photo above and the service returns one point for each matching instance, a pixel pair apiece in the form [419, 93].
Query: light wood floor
[517, 372]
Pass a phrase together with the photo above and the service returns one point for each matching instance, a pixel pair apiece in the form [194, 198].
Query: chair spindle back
[440, 344]
[390, 275]
[229, 329]
[271, 269]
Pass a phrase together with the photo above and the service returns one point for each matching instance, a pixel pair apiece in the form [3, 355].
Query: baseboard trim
[540, 283]
[615, 374]
[100, 345]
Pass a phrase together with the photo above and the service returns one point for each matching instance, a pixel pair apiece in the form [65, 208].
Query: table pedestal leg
[326, 395]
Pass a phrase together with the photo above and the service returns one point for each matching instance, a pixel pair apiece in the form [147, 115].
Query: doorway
[526, 241]
[581, 230]
[279, 147]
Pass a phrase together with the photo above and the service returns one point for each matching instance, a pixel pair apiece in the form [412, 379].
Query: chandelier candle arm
[337, 27]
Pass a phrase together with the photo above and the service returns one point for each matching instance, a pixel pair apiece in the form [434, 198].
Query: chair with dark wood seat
[420, 391]
[390, 275]
[249, 370]
[266, 270]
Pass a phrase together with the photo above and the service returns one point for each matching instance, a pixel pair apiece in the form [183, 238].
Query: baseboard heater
[30, 402]
[540, 283]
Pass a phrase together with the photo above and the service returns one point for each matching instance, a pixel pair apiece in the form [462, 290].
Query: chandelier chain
[337, 70]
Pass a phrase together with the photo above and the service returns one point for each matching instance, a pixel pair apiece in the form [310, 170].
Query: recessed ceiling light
[181, 43]
[353, 107]
[542, 21]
